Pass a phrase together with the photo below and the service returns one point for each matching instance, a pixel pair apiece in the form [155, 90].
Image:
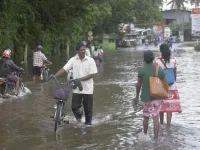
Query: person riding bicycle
[83, 68]
[38, 60]
[9, 69]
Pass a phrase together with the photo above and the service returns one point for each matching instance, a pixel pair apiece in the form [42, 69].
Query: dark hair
[163, 47]
[148, 56]
[166, 52]
[80, 44]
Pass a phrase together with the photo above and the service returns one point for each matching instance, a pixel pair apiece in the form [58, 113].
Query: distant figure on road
[87, 50]
[38, 61]
[170, 41]
[146, 43]
[140, 41]
[98, 54]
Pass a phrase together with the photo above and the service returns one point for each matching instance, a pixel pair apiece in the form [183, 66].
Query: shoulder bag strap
[163, 62]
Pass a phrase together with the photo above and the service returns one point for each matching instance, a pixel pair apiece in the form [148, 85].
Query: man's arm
[138, 87]
[45, 59]
[60, 72]
[65, 69]
[14, 66]
[48, 61]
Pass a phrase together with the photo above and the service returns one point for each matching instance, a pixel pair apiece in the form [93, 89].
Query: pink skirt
[172, 103]
[151, 108]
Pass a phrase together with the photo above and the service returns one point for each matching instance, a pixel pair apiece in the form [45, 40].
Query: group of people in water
[84, 67]
[153, 107]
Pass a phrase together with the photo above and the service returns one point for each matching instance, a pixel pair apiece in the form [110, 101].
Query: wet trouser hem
[85, 100]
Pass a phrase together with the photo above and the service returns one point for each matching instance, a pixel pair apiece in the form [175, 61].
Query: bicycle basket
[62, 93]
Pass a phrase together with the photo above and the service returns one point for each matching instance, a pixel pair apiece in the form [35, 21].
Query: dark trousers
[87, 101]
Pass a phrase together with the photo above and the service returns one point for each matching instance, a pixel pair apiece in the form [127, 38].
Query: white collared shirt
[82, 68]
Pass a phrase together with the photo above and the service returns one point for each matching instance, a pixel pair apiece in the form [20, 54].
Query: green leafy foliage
[56, 24]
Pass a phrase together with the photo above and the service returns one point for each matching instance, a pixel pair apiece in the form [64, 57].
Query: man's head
[80, 47]
[148, 56]
[39, 48]
[7, 53]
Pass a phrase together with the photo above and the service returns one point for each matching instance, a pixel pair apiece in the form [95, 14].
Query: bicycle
[44, 76]
[62, 95]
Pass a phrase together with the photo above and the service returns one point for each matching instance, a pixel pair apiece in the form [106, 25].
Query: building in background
[180, 20]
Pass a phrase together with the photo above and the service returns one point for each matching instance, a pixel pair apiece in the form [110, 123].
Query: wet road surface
[25, 123]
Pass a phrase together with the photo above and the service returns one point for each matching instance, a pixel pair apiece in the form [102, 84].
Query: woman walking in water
[151, 106]
[172, 103]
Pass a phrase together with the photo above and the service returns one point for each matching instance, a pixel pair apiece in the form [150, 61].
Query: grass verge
[108, 47]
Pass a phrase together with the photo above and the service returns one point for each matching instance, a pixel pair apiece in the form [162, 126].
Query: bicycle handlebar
[69, 82]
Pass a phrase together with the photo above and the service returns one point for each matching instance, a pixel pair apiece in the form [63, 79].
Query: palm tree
[177, 4]
[195, 2]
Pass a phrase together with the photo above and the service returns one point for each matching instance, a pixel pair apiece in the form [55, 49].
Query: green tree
[61, 23]
[150, 11]
[130, 11]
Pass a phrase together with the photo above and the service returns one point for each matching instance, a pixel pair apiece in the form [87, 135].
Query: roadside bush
[197, 47]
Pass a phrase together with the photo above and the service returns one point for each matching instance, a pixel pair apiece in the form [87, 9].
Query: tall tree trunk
[26, 53]
[67, 48]
[25, 58]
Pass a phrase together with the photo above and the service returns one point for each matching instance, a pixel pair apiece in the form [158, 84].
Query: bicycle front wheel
[58, 115]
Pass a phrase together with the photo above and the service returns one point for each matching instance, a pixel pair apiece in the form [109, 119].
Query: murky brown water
[25, 122]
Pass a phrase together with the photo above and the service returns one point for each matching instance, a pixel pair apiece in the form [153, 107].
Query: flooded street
[25, 123]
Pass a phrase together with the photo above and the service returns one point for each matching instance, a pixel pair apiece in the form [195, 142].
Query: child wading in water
[151, 106]
[172, 103]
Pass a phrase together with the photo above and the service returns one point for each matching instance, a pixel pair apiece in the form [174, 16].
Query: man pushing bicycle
[84, 68]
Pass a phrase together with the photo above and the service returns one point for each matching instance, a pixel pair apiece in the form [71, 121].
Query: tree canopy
[55, 23]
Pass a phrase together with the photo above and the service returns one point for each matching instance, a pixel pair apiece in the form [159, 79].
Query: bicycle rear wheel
[58, 115]
[45, 75]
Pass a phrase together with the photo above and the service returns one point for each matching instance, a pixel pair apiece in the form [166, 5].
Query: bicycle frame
[59, 108]
[44, 73]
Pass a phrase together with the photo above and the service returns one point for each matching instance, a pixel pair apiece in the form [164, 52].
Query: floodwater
[25, 123]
